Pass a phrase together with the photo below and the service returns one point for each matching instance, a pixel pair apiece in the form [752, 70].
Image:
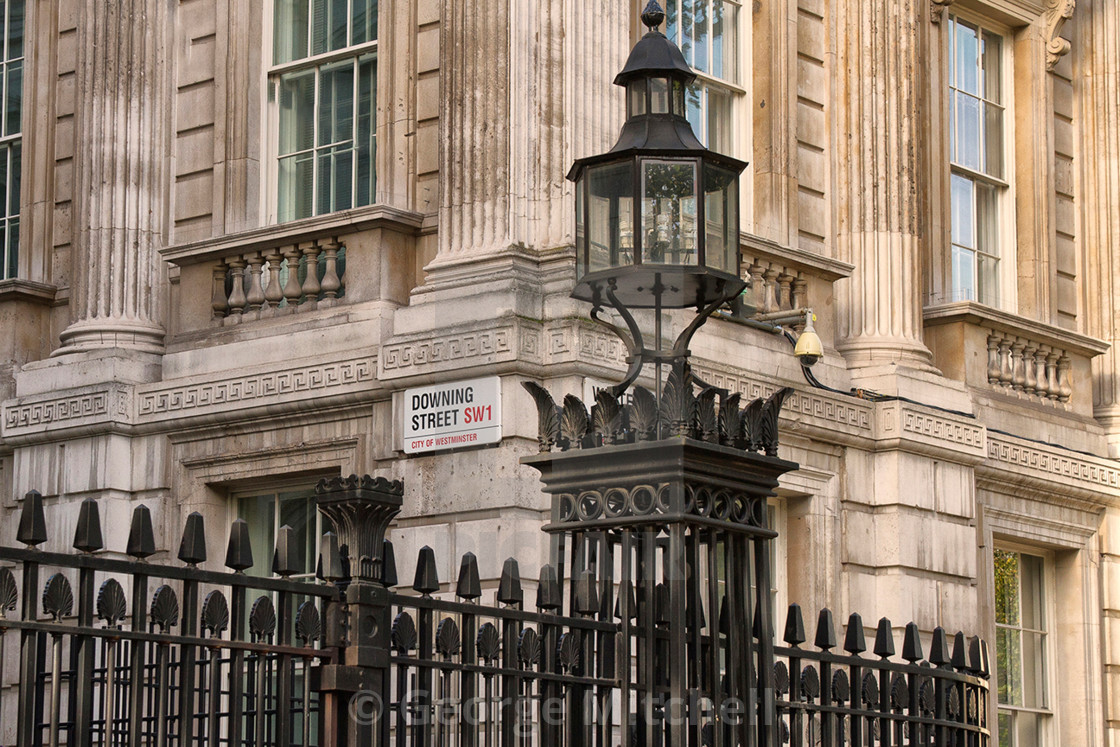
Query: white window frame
[1047, 722]
[270, 194]
[9, 217]
[737, 89]
[1005, 187]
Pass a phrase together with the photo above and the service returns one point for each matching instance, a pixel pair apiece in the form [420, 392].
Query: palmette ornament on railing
[712, 416]
[111, 605]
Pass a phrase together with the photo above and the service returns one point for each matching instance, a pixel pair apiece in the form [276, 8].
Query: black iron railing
[650, 627]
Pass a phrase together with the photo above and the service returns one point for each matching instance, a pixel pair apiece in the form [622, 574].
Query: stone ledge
[29, 291]
[1017, 461]
[85, 407]
[811, 264]
[309, 229]
[975, 313]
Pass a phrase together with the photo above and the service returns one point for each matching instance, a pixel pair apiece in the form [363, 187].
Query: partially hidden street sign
[452, 415]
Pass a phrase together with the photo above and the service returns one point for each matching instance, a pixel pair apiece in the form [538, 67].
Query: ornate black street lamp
[657, 216]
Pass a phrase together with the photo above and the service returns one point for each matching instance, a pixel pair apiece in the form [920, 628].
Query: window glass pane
[701, 17]
[991, 62]
[296, 188]
[335, 179]
[289, 31]
[367, 131]
[968, 131]
[693, 111]
[721, 203]
[993, 140]
[14, 183]
[1032, 597]
[13, 246]
[987, 218]
[336, 103]
[967, 57]
[13, 97]
[719, 120]
[259, 512]
[1006, 567]
[1010, 665]
[1028, 729]
[15, 29]
[297, 111]
[964, 274]
[611, 241]
[363, 21]
[963, 218]
[1005, 726]
[297, 510]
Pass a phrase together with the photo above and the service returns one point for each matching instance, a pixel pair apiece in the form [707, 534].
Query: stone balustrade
[774, 285]
[1028, 367]
[262, 282]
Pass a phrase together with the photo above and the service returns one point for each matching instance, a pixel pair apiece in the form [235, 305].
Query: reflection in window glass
[1021, 629]
[11, 79]
[265, 512]
[976, 151]
[324, 108]
[669, 212]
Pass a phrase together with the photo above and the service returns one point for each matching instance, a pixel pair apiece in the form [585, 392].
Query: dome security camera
[809, 349]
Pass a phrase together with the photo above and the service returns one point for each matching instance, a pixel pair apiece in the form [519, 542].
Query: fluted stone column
[120, 175]
[1097, 80]
[880, 180]
[524, 81]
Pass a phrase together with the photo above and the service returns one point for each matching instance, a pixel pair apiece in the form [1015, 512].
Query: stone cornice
[309, 229]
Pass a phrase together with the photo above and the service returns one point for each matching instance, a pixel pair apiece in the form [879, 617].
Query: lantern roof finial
[653, 16]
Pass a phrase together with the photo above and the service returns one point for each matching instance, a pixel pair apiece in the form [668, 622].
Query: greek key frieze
[78, 407]
[247, 389]
[1064, 466]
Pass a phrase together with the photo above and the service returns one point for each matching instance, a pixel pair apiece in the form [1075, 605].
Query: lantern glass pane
[721, 219]
[659, 95]
[581, 229]
[610, 217]
[669, 212]
[636, 98]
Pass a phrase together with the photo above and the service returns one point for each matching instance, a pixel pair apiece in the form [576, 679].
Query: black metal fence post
[360, 508]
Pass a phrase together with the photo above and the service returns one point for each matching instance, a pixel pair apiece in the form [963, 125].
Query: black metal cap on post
[239, 550]
[141, 538]
[192, 548]
[32, 529]
[469, 586]
[361, 508]
[87, 535]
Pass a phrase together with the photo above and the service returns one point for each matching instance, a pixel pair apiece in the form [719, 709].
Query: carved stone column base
[865, 351]
[104, 334]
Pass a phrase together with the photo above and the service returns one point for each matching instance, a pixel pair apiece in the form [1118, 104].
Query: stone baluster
[758, 285]
[785, 295]
[770, 300]
[237, 293]
[1030, 383]
[1042, 385]
[331, 282]
[1054, 390]
[1065, 374]
[1005, 362]
[1018, 376]
[219, 300]
[311, 285]
[255, 295]
[993, 360]
[292, 289]
[800, 293]
[273, 293]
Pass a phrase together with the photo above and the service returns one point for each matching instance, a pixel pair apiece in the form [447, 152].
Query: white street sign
[453, 415]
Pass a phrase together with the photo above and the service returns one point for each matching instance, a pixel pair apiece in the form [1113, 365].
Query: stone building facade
[938, 180]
